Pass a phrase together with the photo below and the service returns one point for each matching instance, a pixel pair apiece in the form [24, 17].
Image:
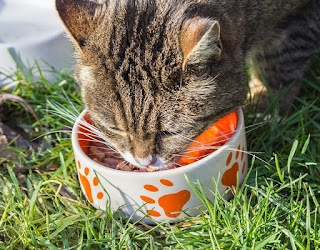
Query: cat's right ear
[80, 18]
[200, 41]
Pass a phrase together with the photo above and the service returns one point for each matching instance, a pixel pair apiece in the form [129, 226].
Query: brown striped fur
[154, 74]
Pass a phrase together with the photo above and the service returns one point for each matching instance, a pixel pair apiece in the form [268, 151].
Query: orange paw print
[235, 160]
[171, 204]
[84, 179]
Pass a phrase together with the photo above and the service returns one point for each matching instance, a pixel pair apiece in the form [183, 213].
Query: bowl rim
[176, 171]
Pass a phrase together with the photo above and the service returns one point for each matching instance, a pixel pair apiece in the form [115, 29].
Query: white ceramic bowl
[31, 29]
[167, 191]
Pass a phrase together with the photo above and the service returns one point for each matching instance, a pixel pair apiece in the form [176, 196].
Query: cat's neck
[263, 19]
[250, 22]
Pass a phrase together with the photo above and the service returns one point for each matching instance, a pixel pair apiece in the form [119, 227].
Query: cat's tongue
[210, 140]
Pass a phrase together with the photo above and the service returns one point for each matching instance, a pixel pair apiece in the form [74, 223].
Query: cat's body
[154, 74]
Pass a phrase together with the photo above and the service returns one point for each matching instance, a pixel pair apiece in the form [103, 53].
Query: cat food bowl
[164, 195]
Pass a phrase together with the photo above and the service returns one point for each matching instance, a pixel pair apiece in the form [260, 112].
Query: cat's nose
[146, 161]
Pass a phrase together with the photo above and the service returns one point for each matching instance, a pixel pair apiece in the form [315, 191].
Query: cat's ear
[80, 18]
[200, 41]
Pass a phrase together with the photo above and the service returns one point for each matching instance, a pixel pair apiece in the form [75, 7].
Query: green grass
[41, 204]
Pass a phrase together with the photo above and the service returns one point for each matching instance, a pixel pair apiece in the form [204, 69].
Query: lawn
[41, 204]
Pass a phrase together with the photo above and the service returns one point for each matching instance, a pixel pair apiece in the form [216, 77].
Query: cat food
[209, 141]
[103, 155]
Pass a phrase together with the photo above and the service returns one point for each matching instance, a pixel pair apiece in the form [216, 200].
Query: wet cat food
[209, 141]
[105, 156]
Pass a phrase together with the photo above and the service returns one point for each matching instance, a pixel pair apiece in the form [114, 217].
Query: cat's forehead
[137, 66]
[133, 33]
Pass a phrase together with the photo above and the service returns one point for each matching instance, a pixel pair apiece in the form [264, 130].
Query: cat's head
[153, 74]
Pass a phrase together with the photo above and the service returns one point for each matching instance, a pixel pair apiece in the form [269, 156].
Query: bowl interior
[83, 135]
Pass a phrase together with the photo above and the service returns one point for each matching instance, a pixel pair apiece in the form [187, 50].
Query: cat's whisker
[90, 128]
[179, 165]
[110, 153]
[94, 136]
[60, 109]
[191, 157]
[197, 149]
[91, 133]
[253, 154]
[243, 151]
[118, 156]
[183, 137]
[50, 133]
[105, 107]
[204, 147]
[92, 146]
[66, 117]
[95, 154]
[211, 140]
[71, 102]
[225, 137]
[93, 139]
[109, 147]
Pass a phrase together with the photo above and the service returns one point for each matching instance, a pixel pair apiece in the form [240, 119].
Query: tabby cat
[154, 74]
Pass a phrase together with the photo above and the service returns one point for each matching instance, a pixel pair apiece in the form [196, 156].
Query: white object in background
[32, 30]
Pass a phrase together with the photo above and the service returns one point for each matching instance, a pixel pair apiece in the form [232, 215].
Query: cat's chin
[159, 164]
[156, 168]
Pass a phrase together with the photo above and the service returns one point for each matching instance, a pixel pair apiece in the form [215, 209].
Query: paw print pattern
[172, 203]
[235, 160]
[85, 182]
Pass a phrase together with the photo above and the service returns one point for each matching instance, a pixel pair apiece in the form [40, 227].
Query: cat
[154, 74]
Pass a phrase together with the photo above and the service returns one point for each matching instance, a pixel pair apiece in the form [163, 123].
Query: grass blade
[305, 146]
[292, 152]
[278, 168]
[33, 201]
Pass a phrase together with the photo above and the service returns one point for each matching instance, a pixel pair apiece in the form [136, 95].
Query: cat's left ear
[200, 41]
[80, 18]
